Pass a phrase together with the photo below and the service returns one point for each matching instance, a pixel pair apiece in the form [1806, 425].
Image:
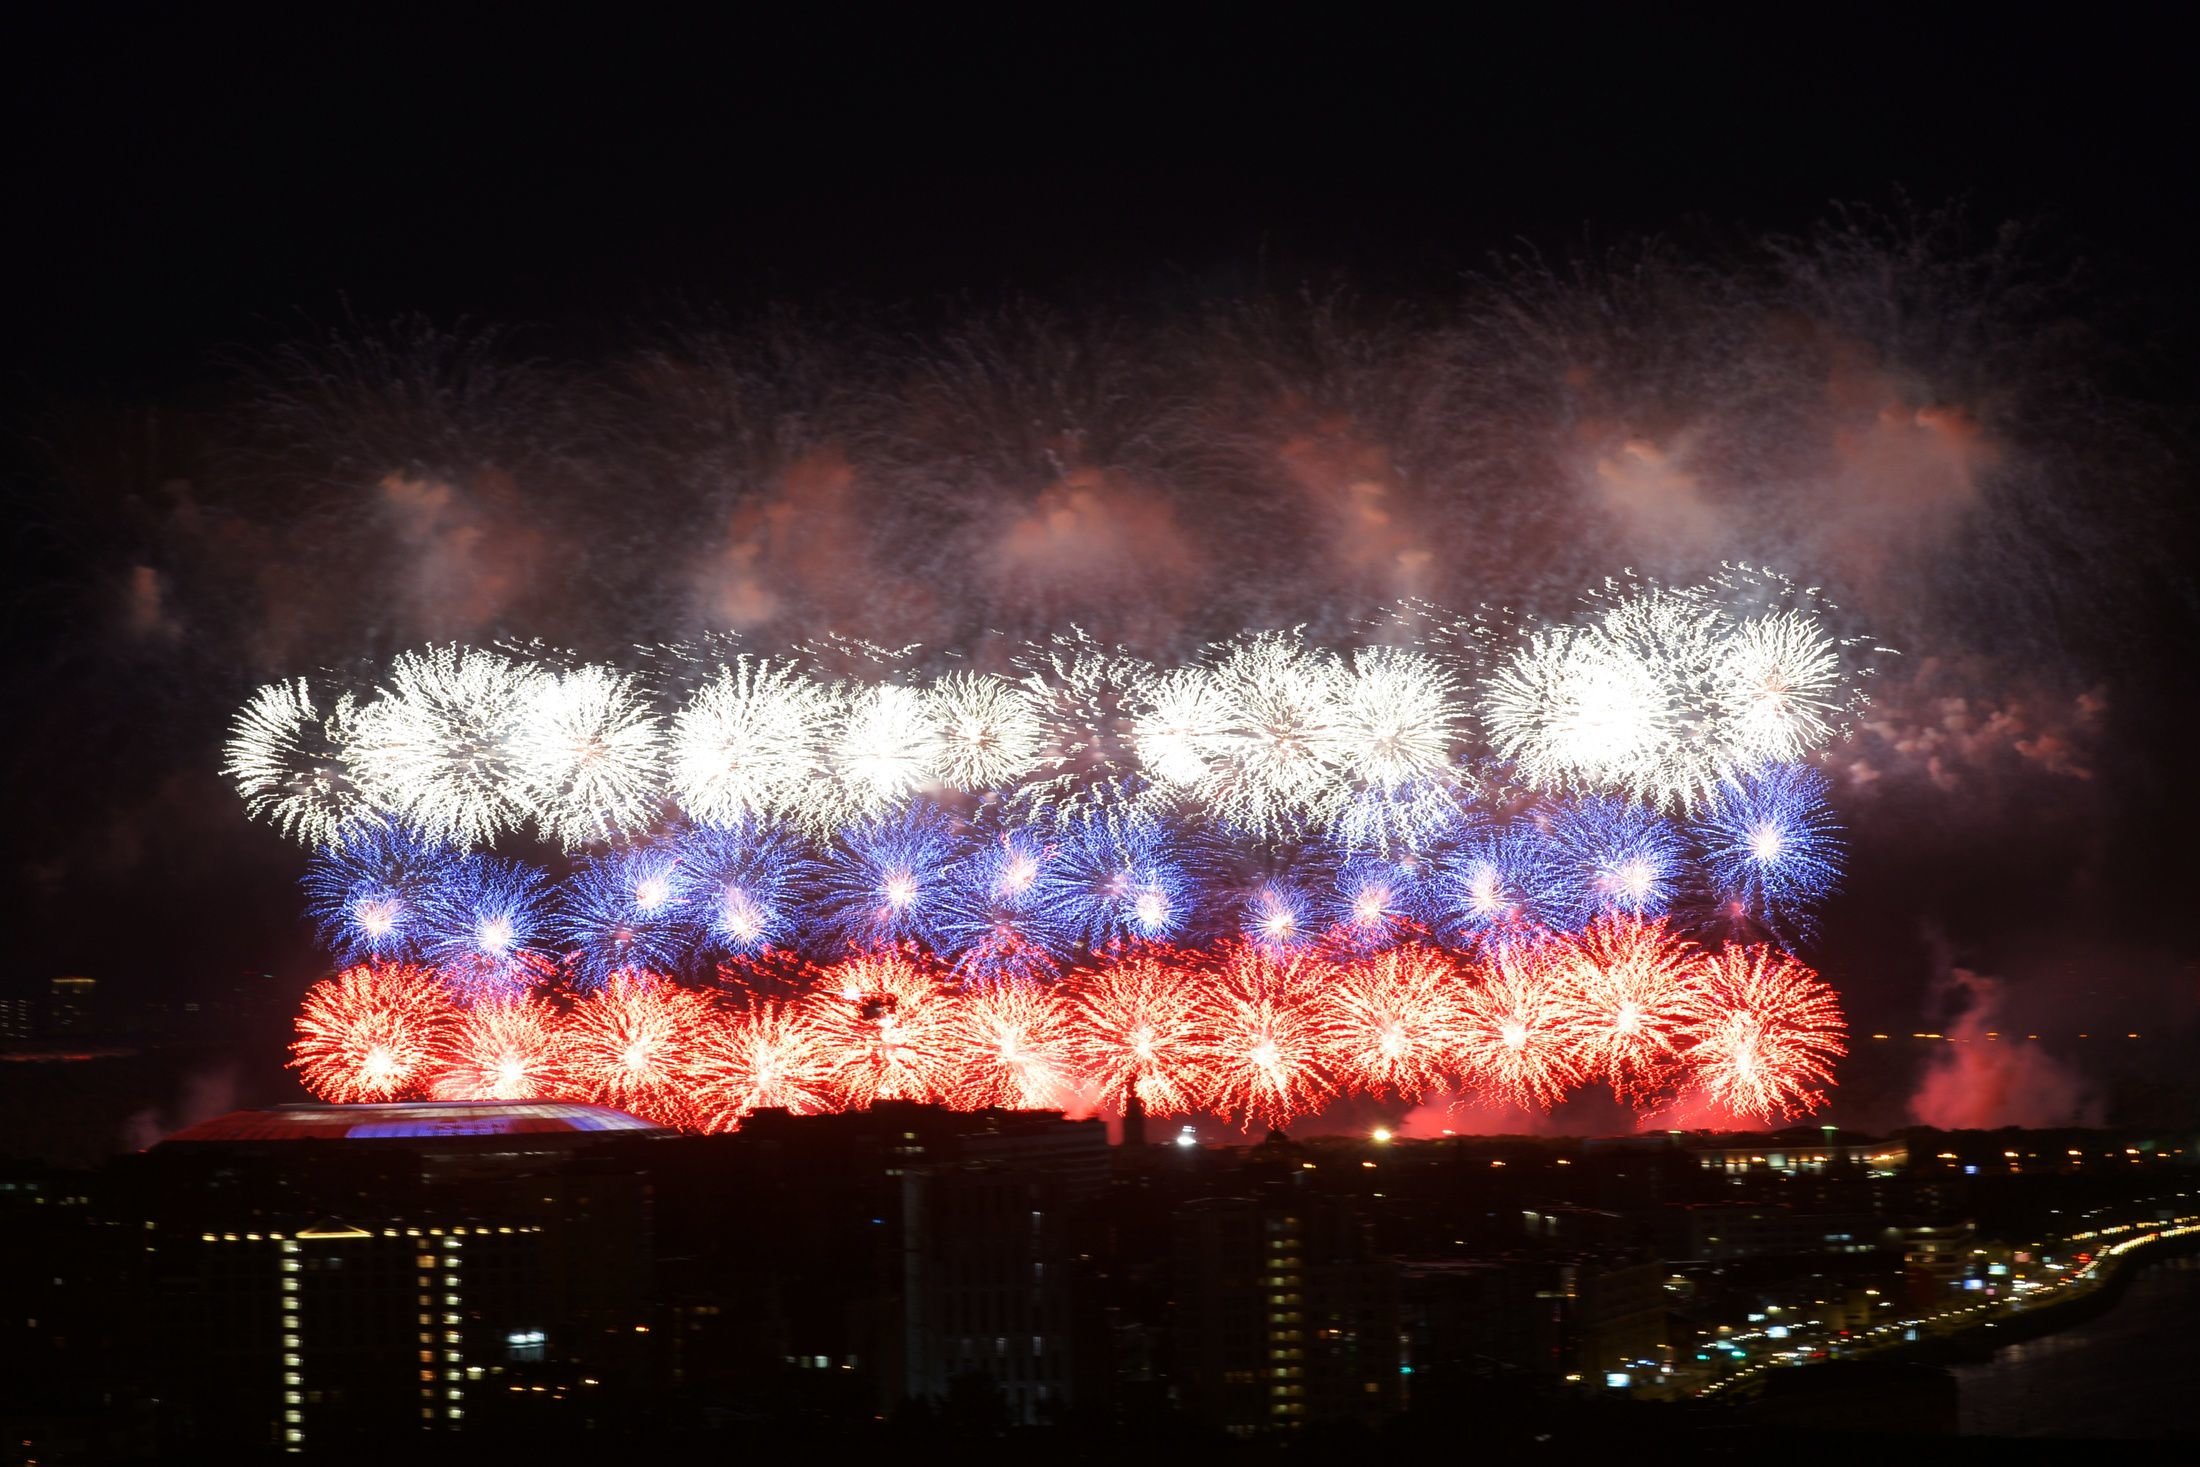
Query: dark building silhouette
[318, 1275]
[1285, 1316]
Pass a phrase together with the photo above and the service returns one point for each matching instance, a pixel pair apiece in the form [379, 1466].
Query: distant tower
[1134, 1119]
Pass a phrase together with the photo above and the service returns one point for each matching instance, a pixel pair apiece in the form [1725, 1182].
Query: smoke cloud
[1988, 1076]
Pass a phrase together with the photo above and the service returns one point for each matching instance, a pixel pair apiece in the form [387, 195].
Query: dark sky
[184, 177]
[183, 189]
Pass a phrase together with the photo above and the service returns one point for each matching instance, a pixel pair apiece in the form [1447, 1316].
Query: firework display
[1247, 1031]
[1279, 873]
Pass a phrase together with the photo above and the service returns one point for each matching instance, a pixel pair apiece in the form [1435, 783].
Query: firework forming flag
[1243, 885]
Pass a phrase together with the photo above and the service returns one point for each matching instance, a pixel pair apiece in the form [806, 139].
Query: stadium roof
[417, 1120]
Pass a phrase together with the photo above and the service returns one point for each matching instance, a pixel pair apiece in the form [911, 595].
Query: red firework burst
[1621, 986]
[1762, 1033]
[1389, 1023]
[888, 1025]
[627, 1045]
[1259, 1042]
[502, 1049]
[371, 1032]
[1011, 1043]
[1132, 1030]
[764, 1056]
[1516, 1040]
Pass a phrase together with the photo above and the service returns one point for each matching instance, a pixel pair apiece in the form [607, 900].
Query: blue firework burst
[886, 880]
[626, 910]
[486, 924]
[1373, 901]
[370, 894]
[1496, 883]
[1007, 913]
[1771, 847]
[1125, 880]
[1609, 856]
[741, 887]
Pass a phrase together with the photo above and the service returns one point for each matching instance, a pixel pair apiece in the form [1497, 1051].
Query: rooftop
[415, 1120]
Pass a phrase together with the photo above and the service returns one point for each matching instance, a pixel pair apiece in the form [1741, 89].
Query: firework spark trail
[1494, 888]
[884, 749]
[1259, 1038]
[889, 1027]
[502, 1049]
[1680, 638]
[1087, 699]
[485, 924]
[1762, 1033]
[1282, 741]
[764, 1055]
[1517, 1041]
[1182, 732]
[1006, 911]
[371, 1032]
[1622, 989]
[1571, 710]
[1124, 880]
[1399, 722]
[1389, 1024]
[1134, 1029]
[1373, 903]
[989, 730]
[1776, 684]
[1607, 856]
[627, 1044]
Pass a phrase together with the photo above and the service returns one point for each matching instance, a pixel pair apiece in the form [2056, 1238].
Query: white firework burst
[1184, 728]
[885, 748]
[1571, 709]
[750, 744]
[988, 727]
[434, 748]
[1398, 719]
[1681, 638]
[1282, 744]
[588, 752]
[1087, 698]
[289, 765]
[1776, 687]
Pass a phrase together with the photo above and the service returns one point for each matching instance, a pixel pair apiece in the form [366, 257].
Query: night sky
[188, 194]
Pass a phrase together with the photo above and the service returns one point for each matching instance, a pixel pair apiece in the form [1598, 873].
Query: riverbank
[2123, 1373]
